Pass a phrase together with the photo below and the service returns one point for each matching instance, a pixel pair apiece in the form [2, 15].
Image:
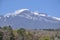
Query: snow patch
[7, 15]
[36, 13]
[0, 17]
[56, 18]
[42, 14]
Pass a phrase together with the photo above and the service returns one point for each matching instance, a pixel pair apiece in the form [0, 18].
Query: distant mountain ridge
[24, 18]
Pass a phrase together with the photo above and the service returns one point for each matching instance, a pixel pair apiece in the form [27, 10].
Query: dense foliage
[7, 33]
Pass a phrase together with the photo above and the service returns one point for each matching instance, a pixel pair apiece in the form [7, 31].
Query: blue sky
[50, 7]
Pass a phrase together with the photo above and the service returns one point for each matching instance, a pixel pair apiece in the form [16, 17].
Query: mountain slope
[24, 18]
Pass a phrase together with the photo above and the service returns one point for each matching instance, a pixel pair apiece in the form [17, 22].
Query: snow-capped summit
[20, 11]
[25, 18]
[17, 12]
